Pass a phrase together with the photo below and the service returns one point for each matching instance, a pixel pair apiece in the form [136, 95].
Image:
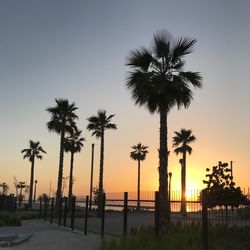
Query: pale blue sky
[77, 50]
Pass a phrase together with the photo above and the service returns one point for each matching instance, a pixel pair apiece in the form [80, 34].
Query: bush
[180, 237]
[8, 219]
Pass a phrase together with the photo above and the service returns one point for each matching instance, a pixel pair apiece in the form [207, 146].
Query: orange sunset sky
[77, 50]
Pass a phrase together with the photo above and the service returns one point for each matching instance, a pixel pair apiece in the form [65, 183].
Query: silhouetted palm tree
[34, 151]
[181, 142]
[159, 82]
[62, 121]
[139, 154]
[98, 124]
[4, 187]
[73, 144]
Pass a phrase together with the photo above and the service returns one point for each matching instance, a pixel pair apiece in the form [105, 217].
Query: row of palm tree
[158, 81]
[63, 122]
[181, 142]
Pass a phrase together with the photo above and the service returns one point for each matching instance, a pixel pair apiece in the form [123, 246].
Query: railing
[120, 214]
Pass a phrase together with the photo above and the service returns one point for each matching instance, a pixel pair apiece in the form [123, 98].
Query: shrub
[8, 219]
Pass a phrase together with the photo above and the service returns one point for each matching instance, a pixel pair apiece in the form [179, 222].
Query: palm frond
[182, 46]
[140, 59]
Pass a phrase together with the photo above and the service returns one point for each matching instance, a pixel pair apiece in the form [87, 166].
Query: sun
[192, 192]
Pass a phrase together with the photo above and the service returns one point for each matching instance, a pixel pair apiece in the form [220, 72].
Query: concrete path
[51, 237]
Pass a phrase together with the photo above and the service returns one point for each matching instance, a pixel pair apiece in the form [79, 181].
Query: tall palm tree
[139, 154]
[34, 151]
[62, 121]
[159, 82]
[98, 124]
[181, 142]
[73, 144]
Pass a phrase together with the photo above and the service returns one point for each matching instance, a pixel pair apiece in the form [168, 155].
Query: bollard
[86, 216]
[103, 214]
[125, 213]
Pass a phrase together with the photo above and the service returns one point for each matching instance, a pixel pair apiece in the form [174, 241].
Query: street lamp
[91, 176]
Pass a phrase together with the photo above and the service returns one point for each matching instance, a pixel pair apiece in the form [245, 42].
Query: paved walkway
[51, 237]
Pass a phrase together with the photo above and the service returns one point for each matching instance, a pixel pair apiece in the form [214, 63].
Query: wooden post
[125, 213]
[73, 208]
[52, 211]
[103, 214]
[157, 212]
[86, 216]
[204, 225]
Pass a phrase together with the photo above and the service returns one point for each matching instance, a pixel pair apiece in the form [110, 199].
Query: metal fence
[120, 214]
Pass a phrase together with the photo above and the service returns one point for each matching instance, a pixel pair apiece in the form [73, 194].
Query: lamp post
[35, 192]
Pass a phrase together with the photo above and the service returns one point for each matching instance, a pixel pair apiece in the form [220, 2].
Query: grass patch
[9, 219]
[178, 238]
[182, 237]
[24, 214]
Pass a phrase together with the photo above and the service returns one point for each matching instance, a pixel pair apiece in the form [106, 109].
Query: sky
[77, 50]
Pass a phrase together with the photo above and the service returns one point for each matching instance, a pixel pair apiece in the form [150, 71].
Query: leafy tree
[73, 144]
[62, 121]
[139, 154]
[181, 142]
[98, 124]
[34, 151]
[221, 189]
[159, 82]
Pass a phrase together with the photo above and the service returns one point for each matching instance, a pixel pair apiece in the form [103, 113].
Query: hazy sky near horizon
[77, 50]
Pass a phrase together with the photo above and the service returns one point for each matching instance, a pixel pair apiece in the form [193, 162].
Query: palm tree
[21, 185]
[34, 151]
[139, 154]
[73, 144]
[4, 187]
[98, 124]
[181, 142]
[62, 121]
[159, 82]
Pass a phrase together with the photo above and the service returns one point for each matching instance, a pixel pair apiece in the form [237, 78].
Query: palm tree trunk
[183, 185]
[60, 170]
[31, 181]
[101, 171]
[138, 188]
[184, 182]
[71, 176]
[164, 206]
